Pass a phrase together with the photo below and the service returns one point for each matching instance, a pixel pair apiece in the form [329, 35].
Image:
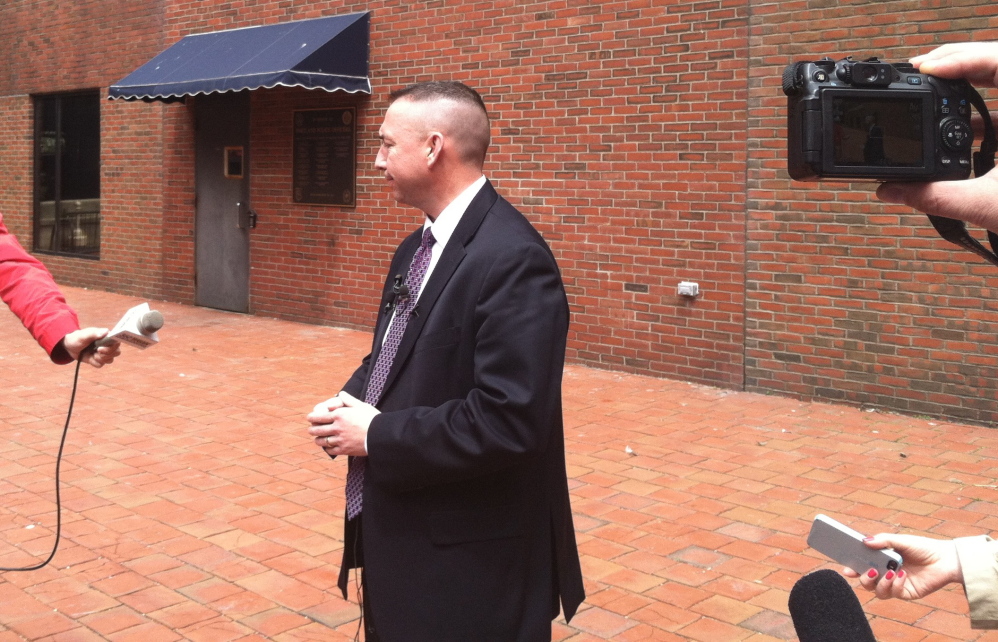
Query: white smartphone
[845, 546]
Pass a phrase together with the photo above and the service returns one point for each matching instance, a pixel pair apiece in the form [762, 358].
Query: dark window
[67, 174]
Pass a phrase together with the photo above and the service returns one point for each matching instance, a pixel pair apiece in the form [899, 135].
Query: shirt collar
[448, 219]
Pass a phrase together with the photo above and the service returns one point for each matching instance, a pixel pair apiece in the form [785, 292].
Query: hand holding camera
[974, 201]
[869, 120]
[976, 62]
[906, 124]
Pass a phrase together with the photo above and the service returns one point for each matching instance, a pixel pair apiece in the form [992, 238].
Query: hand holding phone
[845, 546]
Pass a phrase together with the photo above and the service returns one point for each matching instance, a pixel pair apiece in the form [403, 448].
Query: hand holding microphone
[98, 347]
[77, 344]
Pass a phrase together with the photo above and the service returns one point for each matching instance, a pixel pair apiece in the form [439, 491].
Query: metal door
[223, 217]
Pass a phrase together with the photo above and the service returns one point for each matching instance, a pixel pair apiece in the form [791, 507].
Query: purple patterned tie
[403, 308]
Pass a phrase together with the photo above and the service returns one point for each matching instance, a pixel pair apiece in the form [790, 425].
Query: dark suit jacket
[467, 528]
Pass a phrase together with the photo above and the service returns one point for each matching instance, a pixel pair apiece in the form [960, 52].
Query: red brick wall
[644, 139]
[51, 46]
[313, 262]
[132, 242]
[178, 203]
[848, 299]
[619, 129]
[16, 118]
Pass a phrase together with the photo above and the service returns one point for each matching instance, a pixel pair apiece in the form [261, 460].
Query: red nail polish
[872, 574]
[900, 575]
[889, 576]
[868, 539]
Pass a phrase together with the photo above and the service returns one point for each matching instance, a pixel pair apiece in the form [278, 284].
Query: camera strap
[953, 230]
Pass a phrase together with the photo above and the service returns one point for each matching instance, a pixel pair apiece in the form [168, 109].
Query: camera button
[914, 80]
[957, 135]
[945, 161]
[820, 76]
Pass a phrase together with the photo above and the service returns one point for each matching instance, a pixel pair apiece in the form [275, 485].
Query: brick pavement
[196, 508]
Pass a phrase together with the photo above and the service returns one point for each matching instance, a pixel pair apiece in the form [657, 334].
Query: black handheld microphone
[824, 608]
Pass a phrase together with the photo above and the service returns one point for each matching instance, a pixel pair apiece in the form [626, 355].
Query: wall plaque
[325, 156]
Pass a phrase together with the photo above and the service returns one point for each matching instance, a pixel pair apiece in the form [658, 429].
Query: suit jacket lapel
[452, 256]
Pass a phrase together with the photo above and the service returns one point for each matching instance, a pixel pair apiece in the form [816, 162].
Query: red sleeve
[32, 294]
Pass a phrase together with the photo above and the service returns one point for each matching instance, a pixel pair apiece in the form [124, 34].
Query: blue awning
[324, 53]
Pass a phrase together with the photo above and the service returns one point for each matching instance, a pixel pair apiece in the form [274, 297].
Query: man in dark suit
[461, 518]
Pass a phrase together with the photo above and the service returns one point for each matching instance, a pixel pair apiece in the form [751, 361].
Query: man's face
[403, 153]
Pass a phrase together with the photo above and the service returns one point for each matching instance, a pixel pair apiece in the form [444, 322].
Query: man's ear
[434, 145]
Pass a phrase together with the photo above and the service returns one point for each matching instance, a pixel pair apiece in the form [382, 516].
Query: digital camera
[868, 120]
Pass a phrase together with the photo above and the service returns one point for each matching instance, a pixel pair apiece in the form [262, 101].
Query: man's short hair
[476, 139]
[435, 89]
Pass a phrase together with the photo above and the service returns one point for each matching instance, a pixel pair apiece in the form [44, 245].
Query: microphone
[150, 322]
[399, 291]
[137, 328]
[824, 608]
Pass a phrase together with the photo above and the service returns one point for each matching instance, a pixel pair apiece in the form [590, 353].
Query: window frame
[39, 102]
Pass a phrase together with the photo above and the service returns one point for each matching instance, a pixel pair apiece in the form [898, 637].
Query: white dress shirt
[446, 223]
[443, 228]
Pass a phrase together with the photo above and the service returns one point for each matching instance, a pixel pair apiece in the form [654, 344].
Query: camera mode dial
[956, 134]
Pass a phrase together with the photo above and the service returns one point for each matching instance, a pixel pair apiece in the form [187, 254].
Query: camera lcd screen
[872, 131]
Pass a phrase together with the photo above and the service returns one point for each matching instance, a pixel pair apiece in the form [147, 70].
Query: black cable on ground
[58, 499]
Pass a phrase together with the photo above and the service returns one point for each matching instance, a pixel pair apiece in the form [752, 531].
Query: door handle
[243, 220]
[250, 217]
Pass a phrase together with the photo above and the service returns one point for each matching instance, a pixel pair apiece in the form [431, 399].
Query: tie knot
[428, 239]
